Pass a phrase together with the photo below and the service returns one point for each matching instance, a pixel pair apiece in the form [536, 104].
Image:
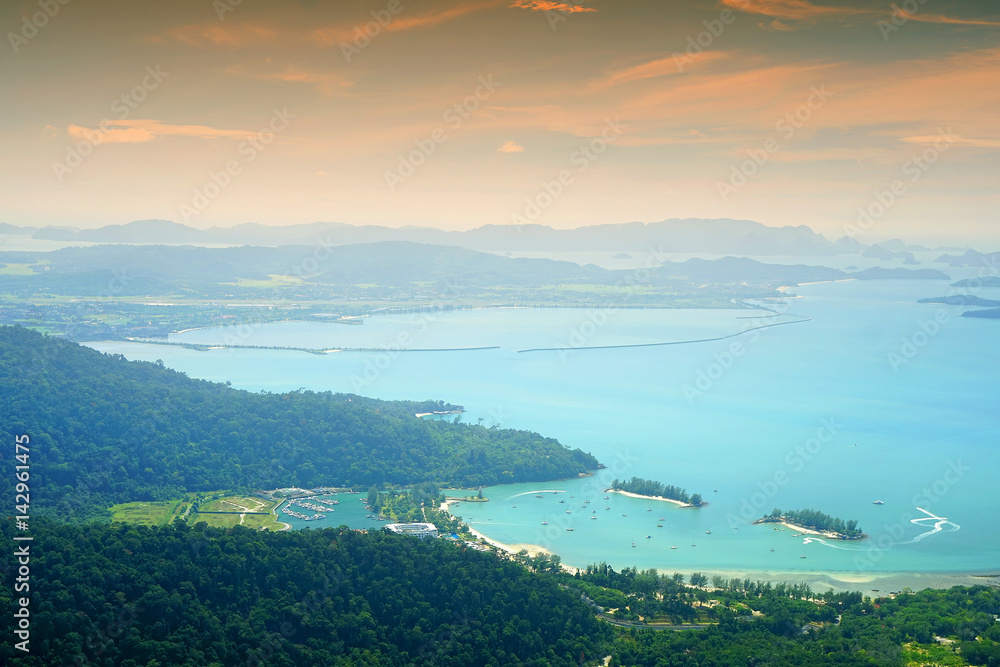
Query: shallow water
[875, 397]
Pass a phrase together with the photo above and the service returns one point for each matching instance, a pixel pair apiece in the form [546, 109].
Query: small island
[815, 522]
[962, 300]
[638, 487]
[990, 313]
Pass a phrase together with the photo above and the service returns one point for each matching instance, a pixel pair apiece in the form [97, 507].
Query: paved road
[644, 626]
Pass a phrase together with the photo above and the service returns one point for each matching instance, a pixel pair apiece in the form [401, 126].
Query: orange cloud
[552, 6]
[140, 131]
[803, 10]
[659, 67]
[799, 10]
[327, 83]
[335, 35]
[975, 142]
[231, 35]
[437, 17]
[511, 147]
[940, 18]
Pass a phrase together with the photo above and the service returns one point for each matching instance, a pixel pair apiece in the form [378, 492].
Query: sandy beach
[636, 495]
[875, 584]
[799, 530]
[532, 549]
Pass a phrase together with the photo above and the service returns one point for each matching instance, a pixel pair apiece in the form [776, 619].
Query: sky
[877, 119]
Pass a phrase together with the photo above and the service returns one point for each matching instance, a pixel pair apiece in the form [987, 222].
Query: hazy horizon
[456, 114]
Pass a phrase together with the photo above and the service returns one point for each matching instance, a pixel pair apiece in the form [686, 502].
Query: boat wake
[933, 523]
[939, 522]
[819, 540]
[533, 493]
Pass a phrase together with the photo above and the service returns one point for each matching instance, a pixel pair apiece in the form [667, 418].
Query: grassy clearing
[237, 504]
[164, 512]
[148, 513]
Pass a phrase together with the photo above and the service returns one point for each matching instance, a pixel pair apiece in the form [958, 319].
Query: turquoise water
[857, 404]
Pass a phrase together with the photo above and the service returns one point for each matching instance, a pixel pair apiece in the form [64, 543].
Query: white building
[421, 530]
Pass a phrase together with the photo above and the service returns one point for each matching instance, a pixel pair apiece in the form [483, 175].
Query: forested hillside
[179, 595]
[131, 595]
[106, 430]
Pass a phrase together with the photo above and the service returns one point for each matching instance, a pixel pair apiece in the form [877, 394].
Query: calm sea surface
[874, 397]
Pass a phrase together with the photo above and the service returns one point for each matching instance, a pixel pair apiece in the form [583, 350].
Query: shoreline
[513, 549]
[660, 498]
[873, 583]
[802, 530]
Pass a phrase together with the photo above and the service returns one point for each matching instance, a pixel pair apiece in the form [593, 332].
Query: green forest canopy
[106, 430]
[179, 595]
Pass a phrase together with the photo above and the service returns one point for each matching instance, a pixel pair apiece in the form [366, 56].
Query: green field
[236, 504]
[149, 513]
[164, 512]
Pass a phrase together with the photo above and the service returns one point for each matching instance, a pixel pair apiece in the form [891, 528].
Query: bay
[864, 395]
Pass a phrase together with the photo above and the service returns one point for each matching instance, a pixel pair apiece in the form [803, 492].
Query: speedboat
[878, 502]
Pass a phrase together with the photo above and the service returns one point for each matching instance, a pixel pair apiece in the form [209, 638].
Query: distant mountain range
[988, 262]
[691, 235]
[155, 269]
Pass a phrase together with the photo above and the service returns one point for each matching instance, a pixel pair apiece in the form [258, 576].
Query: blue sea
[861, 395]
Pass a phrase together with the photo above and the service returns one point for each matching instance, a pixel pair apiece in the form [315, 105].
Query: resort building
[421, 530]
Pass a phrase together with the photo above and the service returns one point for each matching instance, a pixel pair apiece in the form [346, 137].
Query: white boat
[878, 502]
